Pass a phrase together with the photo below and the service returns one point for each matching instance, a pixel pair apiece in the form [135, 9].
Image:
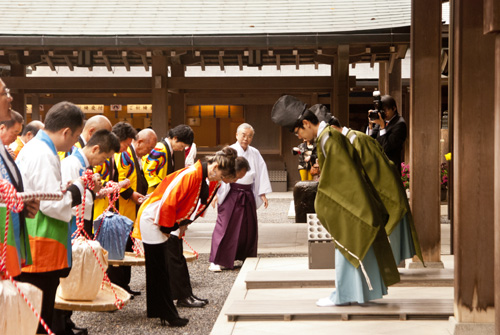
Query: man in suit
[389, 129]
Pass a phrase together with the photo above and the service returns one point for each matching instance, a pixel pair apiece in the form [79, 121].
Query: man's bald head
[94, 124]
[145, 142]
[30, 130]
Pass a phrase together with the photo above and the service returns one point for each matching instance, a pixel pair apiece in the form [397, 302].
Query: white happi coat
[72, 168]
[40, 168]
[258, 175]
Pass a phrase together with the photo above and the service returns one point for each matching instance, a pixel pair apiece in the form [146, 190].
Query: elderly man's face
[5, 101]
[9, 135]
[244, 137]
[144, 146]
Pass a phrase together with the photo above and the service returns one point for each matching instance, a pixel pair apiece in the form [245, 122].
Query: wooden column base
[466, 328]
[429, 265]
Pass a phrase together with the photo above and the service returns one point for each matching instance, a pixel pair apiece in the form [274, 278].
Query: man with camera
[306, 152]
[387, 127]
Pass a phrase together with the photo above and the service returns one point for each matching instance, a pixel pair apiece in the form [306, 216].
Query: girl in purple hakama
[235, 234]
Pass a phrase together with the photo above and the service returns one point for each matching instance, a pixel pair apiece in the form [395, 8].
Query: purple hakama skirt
[235, 233]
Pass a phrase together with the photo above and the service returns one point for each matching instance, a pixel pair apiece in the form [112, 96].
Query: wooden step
[382, 309]
[326, 278]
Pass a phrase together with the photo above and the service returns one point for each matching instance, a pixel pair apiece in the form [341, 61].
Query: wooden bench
[326, 278]
[382, 309]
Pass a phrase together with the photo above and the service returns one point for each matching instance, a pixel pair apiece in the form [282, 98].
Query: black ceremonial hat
[321, 112]
[287, 111]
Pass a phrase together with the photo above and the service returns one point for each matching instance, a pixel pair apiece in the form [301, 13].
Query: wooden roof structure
[200, 33]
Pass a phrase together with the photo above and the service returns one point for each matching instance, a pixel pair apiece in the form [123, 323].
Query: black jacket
[394, 138]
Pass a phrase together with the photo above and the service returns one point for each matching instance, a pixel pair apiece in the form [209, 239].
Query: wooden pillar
[383, 78]
[159, 95]
[395, 85]
[340, 93]
[425, 104]
[35, 108]
[178, 111]
[492, 26]
[497, 183]
[19, 98]
[474, 172]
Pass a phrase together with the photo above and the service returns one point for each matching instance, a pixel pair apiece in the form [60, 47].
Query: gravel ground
[132, 318]
[206, 284]
[276, 212]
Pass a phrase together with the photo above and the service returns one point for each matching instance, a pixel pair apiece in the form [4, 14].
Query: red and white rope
[88, 181]
[190, 247]
[14, 202]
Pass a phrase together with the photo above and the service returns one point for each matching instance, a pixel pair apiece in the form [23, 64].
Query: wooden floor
[382, 309]
[326, 278]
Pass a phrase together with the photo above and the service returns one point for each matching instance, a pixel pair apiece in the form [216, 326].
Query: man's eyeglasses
[6, 92]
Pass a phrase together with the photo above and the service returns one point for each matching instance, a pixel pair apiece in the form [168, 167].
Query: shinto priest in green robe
[350, 209]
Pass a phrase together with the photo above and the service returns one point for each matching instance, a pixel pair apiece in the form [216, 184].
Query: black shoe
[179, 322]
[190, 302]
[79, 331]
[133, 292]
[200, 299]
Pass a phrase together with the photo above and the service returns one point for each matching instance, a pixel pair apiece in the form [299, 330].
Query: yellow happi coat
[128, 168]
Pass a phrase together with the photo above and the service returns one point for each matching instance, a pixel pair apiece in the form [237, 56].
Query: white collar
[322, 125]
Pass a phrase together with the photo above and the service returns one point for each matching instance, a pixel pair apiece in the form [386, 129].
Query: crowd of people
[162, 201]
[360, 199]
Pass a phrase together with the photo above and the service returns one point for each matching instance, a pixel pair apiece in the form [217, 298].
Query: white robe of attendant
[72, 168]
[40, 168]
[258, 175]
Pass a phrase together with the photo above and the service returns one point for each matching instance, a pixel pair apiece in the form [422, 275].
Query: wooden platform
[326, 278]
[131, 259]
[104, 302]
[382, 309]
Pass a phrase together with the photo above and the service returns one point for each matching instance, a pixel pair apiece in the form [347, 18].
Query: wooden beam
[15, 58]
[126, 63]
[145, 62]
[372, 60]
[491, 21]
[221, 60]
[47, 59]
[402, 48]
[68, 63]
[278, 62]
[202, 63]
[106, 61]
[251, 83]
[78, 83]
[240, 62]
[391, 62]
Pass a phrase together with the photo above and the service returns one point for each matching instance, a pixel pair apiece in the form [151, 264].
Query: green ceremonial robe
[386, 180]
[349, 207]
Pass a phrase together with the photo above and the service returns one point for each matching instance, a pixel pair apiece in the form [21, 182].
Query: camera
[373, 115]
[297, 151]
